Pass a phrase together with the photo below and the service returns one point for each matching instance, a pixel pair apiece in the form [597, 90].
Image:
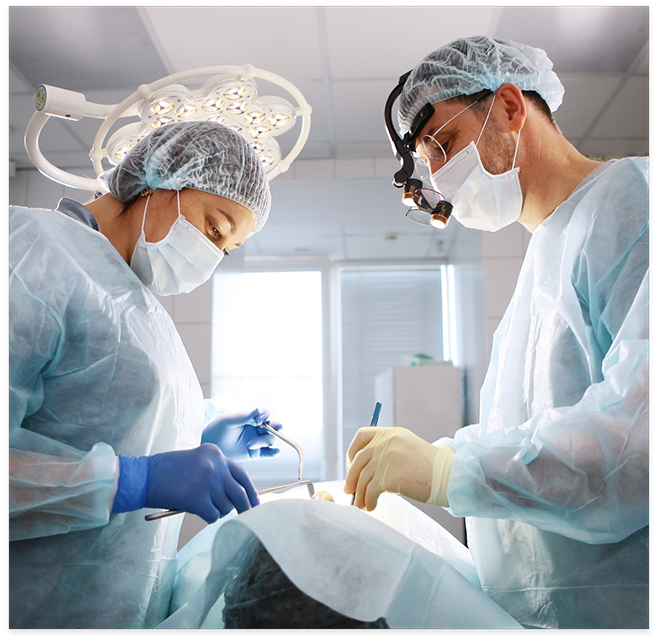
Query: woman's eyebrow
[231, 221]
[228, 217]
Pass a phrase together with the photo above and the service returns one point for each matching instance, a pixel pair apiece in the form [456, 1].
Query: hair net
[469, 65]
[198, 155]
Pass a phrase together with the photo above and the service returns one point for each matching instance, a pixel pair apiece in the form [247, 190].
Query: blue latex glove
[238, 437]
[201, 481]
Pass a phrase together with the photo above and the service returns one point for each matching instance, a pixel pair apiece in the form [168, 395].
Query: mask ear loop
[516, 151]
[486, 120]
[518, 136]
[148, 197]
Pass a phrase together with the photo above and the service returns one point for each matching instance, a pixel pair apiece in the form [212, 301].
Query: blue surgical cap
[201, 155]
[470, 65]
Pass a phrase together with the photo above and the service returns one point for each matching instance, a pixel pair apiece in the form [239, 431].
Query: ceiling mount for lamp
[230, 97]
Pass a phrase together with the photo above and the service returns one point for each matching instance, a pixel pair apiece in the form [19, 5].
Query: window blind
[387, 315]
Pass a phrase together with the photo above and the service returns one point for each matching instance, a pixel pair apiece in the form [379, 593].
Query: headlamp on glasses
[426, 206]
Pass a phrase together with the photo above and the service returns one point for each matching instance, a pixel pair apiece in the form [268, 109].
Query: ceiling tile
[641, 65]
[378, 247]
[576, 39]
[614, 148]
[269, 38]
[584, 97]
[373, 150]
[360, 110]
[18, 84]
[401, 227]
[355, 168]
[296, 244]
[375, 43]
[82, 47]
[628, 114]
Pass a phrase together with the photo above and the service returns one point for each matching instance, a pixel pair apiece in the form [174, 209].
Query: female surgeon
[106, 413]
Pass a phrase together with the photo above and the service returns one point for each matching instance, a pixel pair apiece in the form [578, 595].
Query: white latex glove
[393, 459]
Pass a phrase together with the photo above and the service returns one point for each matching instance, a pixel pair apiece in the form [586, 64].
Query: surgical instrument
[309, 486]
[290, 442]
[300, 470]
[373, 423]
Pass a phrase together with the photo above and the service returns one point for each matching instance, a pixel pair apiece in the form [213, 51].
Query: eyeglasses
[430, 149]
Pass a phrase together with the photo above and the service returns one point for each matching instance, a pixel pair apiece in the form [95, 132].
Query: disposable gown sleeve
[580, 471]
[53, 487]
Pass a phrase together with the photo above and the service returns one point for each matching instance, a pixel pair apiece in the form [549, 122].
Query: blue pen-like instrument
[373, 423]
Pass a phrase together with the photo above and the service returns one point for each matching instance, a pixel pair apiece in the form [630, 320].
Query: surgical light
[259, 132]
[159, 122]
[186, 110]
[278, 120]
[238, 108]
[161, 107]
[235, 93]
[254, 117]
[213, 104]
[230, 97]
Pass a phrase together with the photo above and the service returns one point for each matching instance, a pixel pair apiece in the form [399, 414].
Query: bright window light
[267, 352]
[448, 311]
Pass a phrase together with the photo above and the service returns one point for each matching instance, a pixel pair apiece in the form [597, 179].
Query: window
[309, 343]
[267, 352]
[388, 314]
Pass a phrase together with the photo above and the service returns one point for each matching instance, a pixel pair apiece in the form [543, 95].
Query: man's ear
[512, 107]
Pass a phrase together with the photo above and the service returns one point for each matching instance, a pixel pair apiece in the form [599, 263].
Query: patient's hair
[262, 596]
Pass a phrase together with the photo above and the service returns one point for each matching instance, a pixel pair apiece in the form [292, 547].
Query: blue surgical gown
[96, 369]
[554, 478]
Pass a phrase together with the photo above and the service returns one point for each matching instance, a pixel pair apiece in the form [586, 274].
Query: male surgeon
[553, 480]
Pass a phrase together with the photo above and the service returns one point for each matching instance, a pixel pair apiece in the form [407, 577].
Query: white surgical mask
[481, 200]
[177, 264]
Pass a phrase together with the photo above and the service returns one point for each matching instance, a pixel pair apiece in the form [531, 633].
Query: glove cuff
[131, 490]
[440, 476]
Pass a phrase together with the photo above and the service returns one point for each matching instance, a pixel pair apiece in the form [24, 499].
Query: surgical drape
[96, 369]
[343, 558]
[556, 472]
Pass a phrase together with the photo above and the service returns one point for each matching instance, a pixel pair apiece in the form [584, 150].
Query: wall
[502, 256]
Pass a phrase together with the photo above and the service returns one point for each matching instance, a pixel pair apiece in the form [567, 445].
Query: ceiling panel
[269, 38]
[82, 48]
[379, 248]
[365, 98]
[375, 43]
[591, 39]
[579, 90]
[628, 114]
